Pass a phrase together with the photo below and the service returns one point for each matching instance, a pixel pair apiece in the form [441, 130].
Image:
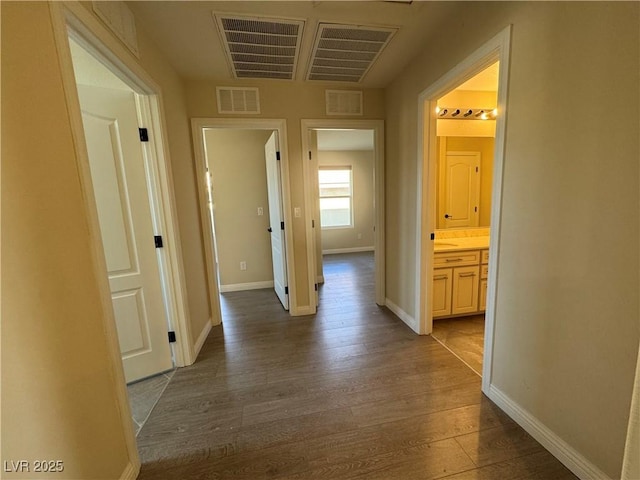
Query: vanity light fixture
[467, 113]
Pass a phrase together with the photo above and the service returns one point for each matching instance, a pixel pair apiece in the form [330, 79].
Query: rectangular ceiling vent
[260, 47]
[238, 100]
[343, 102]
[345, 53]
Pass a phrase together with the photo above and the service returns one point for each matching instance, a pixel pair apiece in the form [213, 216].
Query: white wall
[362, 165]
[237, 163]
[567, 310]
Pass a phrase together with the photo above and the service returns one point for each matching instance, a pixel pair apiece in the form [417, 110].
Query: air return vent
[345, 53]
[260, 47]
[343, 102]
[238, 100]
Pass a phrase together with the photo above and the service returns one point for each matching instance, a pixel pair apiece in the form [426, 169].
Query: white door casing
[119, 179]
[276, 220]
[461, 190]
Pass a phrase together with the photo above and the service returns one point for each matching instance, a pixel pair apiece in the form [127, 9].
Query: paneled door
[276, 221]
[461, 189]
[119, 177]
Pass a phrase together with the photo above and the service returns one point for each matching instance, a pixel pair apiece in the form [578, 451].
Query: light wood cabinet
[442, 282]
[460, 282]
[465, 290]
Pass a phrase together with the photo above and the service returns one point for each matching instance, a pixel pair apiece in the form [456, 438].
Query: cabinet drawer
[456, 259]
[485, 256]
[484, 271]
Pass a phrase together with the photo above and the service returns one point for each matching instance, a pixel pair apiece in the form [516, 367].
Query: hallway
[348, 393]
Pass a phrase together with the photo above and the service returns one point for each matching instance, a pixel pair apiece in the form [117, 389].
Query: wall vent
[343, 102]
[258, 47]
[238, 100]
[120, 20]
[345, 53]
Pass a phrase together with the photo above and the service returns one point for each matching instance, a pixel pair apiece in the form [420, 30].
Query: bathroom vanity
[460, 269]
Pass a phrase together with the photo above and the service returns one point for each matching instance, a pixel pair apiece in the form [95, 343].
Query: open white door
[276, 221]
[461, 189]
[119, 180]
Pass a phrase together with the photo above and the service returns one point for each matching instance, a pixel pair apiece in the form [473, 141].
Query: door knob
[269, 230]
[446, 215]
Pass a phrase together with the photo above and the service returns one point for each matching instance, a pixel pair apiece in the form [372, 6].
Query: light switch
[260, 211]
[296, 212]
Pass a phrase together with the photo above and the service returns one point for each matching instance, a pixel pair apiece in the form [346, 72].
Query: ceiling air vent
[260, 47]
[345, 53]
[343, 102]
[238, 100]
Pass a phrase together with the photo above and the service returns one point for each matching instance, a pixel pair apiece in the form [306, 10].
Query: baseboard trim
[560, 449]
[202, 338]
[402, 315]
[130, 472]
[239, 287]
[333, 251]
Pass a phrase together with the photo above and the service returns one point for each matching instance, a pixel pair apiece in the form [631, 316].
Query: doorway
[344, 183]
[465, 130]
[126, 181]
[243, 185]
[495, 50]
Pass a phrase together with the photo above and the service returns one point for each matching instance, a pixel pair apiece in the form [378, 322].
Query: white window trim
[350, 197]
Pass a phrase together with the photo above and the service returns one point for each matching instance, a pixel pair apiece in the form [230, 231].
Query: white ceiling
[485, 81]
[340, 140]
[89, 71]
[186, 32]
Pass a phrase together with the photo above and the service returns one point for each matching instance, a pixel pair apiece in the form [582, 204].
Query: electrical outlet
[260, 211]
[297, 212]
[243, 265]
[359, 236]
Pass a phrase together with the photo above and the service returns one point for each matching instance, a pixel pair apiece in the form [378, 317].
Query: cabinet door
[482, 306]
[442, 292]
[465, 290]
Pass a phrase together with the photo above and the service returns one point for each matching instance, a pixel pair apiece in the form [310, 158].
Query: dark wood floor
[348, 393]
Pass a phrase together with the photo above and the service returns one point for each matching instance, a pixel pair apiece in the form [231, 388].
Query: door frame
[379, 236]
[496, 49]
[198, 125]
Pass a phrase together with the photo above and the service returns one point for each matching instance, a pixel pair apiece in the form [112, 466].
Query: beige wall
[567, 329]
[236, 160]
[293, 102]
[362, 165]
[58, 377]
[484, 145]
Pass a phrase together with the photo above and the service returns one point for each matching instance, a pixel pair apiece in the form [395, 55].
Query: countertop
[462, 243]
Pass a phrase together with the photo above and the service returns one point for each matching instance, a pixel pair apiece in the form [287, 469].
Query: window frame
[348, 168]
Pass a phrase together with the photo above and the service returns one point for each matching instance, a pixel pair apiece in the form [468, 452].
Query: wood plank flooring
[464, 336]
[348, 393]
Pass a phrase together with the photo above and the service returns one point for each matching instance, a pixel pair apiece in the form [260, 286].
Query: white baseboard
[402, 315]
[560, 449]
[333, 251]
[320, 279]
[130, 472]
[238, 287]
[201, 338]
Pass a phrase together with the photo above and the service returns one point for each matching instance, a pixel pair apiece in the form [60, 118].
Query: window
[336, 190]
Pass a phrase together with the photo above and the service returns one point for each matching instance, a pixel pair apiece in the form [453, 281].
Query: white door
[119, 180]
[276, 221]
[461, 189]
